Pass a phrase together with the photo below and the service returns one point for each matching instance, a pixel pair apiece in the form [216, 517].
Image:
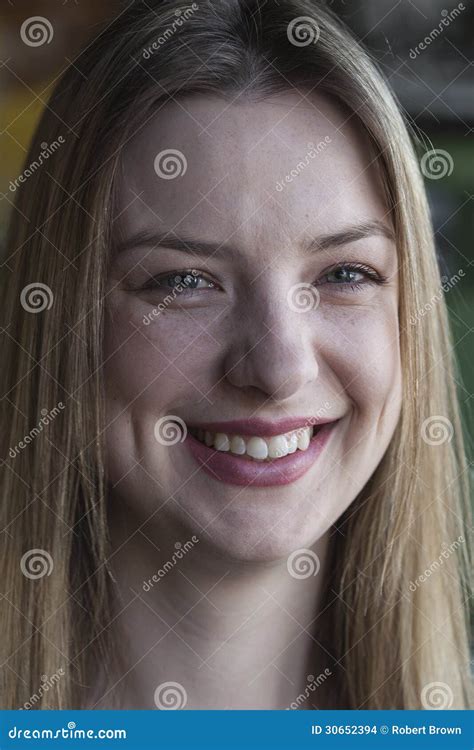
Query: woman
[255, 454]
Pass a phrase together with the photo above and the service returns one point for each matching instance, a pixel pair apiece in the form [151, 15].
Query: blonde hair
[401, 635]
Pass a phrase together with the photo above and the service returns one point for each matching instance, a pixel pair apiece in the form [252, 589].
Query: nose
[273, 353]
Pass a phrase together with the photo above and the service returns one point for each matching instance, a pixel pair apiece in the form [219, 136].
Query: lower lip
[232, 469]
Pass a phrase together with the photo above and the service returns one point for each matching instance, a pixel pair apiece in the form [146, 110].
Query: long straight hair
[400, 639]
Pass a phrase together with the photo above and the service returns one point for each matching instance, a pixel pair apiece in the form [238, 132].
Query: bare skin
[230, 621]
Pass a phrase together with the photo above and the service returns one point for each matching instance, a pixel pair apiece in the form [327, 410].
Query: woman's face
[252, 299]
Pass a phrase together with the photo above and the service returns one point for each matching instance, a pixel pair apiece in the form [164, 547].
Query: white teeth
[221, 442]
[278, 446]
[303, 439]
[255, 447]
[292, 442]
[237, 445]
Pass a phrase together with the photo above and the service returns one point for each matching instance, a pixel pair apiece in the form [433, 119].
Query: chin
[251, 536]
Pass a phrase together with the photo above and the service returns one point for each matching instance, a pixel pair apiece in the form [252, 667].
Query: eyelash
[155, 281]
[372, 277]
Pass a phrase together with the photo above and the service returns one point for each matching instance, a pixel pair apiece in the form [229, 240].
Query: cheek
[364, 355]
[175, 356]
[152, 370]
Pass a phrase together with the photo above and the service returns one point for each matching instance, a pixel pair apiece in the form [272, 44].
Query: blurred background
[424, 47]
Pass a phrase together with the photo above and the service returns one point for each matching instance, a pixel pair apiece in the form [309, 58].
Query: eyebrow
[350, 234]
[153, 239]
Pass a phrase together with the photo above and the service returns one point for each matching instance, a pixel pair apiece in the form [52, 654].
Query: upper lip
[261, 427]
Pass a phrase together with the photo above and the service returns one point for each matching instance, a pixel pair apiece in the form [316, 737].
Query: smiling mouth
[257, 448]
[257, 453]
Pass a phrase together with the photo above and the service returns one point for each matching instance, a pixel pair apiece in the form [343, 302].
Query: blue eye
[343, 275]
[354, 275]
[180, 282]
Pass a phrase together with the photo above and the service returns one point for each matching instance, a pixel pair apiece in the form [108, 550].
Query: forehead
[216, 168]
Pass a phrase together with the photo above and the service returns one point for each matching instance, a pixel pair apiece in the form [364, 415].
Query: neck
[233, 634]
